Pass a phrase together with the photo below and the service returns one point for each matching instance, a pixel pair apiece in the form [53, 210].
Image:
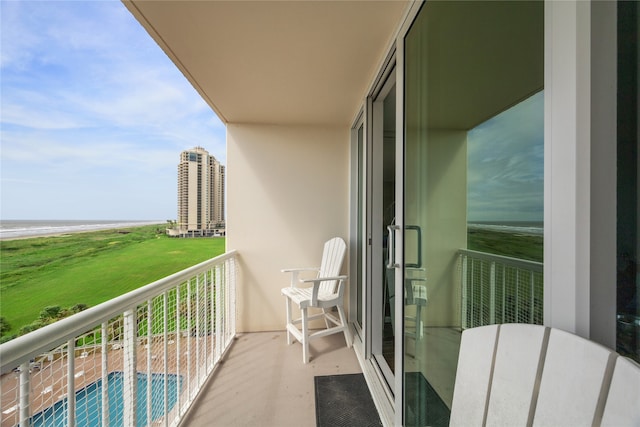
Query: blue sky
[93, 115]
[505, 177]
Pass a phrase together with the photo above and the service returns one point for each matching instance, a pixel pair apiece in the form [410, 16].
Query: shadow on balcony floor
[263, 382]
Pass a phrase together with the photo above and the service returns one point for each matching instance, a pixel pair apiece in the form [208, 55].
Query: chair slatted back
[574, 371]
[517, 365]
[332, 258]
[624, 395]
[517, 374]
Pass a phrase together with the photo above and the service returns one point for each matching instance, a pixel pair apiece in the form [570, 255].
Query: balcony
[139, 359]
[164, 344]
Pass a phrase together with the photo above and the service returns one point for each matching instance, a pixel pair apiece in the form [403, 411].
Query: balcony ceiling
[268, 62]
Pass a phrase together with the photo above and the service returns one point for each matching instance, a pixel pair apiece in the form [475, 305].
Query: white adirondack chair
[326, 291]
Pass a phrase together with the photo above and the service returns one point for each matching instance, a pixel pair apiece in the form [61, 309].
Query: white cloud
[93, 110]
[506, 165]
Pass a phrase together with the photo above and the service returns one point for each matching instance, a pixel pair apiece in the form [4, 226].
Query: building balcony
[174, 343]
[164, 344]
[138, 359]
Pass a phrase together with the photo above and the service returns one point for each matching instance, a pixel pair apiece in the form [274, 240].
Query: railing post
[165, 351]
[105, 378]
[198, 382]
[71, 383]
[177, 343]
[130, 380]
[492, 294]
[504, 293]
[232, 293]
[225, 305]
[212, 315]
[218, 314]
[148, 352]
[149, 339]
[188, 353]
[205, 323]
[533, 299]
[472, 307]
[517, 296]
[25, 389]
[465, 296]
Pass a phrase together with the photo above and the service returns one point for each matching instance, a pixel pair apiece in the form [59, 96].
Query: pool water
[89, 402]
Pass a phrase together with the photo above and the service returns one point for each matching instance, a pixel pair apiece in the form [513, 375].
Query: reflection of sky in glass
[505, 175]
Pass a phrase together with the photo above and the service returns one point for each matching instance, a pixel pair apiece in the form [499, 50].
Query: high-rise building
[200, 191]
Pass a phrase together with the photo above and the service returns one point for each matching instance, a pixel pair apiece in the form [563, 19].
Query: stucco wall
[287, 193]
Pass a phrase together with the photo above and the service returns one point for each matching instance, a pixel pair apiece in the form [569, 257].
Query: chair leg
[305, 336]
[288, 320]
[345, 325]
[326, 321]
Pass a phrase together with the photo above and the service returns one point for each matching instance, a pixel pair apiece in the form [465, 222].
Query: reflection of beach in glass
[534, 228]
[505, 182]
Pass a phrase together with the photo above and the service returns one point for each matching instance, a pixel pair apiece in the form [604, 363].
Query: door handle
[391, 246]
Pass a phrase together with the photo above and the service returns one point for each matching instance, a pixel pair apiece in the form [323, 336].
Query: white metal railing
[138, 359]
[499, 289]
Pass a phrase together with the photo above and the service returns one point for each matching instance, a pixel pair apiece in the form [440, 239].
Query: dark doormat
[344, 400]
[423, 405]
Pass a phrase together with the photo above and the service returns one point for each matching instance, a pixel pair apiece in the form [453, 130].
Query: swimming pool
[89, 402]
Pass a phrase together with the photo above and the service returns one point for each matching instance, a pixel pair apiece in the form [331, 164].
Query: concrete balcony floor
[262, 381]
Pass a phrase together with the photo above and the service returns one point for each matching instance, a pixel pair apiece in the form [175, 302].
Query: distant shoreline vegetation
[515, 239]
[525, 227]
[82, 269]
[21, 229]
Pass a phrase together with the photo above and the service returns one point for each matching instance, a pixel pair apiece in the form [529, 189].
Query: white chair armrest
[316, 286]
[291, 270]
[322, 279]
[295, 272]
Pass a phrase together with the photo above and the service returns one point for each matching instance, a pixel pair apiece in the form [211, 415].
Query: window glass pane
[628, 304]
[473, 148]
[505, 212]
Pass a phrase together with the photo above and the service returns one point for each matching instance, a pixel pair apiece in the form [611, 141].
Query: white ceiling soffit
[275, 62]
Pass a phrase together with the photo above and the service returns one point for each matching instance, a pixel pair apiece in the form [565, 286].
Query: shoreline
[67, 230]
[510, 229]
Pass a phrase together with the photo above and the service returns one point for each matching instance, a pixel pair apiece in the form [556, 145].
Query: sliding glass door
[473, 186]
[374, 145]
[449, 159]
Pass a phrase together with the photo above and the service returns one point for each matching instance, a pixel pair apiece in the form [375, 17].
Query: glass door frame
[376, 276]
[392, 68]
[358, 227]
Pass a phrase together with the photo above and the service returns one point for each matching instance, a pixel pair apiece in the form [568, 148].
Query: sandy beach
[25, 229]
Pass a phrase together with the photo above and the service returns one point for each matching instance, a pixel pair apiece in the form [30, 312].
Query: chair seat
[302, 296]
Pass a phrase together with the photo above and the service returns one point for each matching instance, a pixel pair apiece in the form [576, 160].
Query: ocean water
[522, 227]
[19, 229]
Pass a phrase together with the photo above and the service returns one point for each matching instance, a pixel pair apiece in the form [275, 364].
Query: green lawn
[522, 246]
[89, 268]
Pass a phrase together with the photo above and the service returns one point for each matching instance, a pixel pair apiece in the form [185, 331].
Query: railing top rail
[509, 261]
[25, 347]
